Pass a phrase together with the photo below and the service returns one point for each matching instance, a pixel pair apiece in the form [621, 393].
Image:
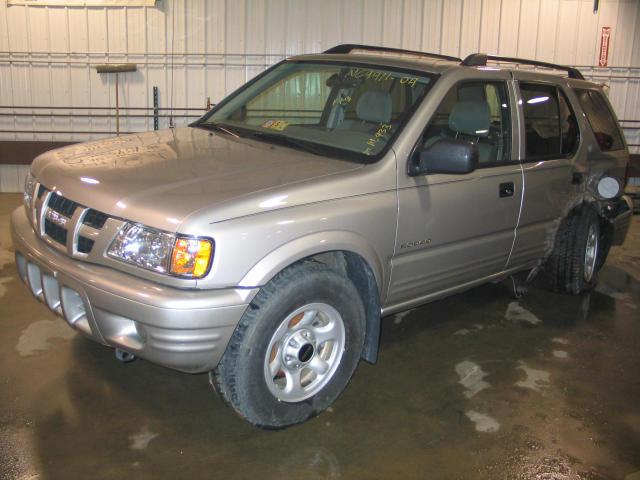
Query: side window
[541, 121]
[477, 112]
[601, 119]
[568, 127]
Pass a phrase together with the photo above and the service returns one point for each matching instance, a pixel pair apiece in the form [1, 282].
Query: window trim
[523, 138]
[502, 163]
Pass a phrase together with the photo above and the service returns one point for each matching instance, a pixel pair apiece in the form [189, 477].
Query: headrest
[374, 106]
[470, 117]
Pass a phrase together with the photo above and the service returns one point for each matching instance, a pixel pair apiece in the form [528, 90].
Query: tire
[579, 252]
[271, 373]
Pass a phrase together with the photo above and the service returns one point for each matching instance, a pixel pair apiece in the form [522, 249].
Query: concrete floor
[475, 386]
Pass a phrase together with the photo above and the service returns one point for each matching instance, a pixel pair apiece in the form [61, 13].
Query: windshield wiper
[218, 127]
[289, 142]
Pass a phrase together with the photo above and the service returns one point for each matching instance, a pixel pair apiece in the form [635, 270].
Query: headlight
[29, 187]
[162, 252]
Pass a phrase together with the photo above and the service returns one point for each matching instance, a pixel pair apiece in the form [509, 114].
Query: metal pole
[117, 108]
[155, 109]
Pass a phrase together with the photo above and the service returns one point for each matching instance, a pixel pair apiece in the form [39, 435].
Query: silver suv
[264, 242]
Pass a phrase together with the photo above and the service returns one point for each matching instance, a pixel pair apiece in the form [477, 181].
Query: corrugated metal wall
[207, 48]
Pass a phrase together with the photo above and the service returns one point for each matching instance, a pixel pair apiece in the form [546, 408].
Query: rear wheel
[295, 348]
[578, 252]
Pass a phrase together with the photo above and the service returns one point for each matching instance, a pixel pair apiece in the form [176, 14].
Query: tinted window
[601, 119]
[477, 112]
[541, 121]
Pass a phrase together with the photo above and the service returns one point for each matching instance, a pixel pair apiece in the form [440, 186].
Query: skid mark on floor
[472, 378]
[483, 423]
[36, 337]
[3, 289]
[517, 313]
[560, 354]
[141, 440]
[535, 379]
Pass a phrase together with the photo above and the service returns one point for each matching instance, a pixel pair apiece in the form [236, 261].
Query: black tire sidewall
[578, 283]
[314, 284]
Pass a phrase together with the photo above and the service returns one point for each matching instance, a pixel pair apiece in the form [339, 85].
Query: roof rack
[349, 47]
[480, 59]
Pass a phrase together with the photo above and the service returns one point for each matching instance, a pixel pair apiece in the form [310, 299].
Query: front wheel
[295, 348]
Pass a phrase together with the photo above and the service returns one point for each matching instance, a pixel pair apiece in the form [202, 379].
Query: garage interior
[478, 385]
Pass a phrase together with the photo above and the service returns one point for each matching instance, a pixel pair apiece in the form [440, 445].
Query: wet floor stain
[560, 340]
[518, 314]
[609, 291]
[560, 354]
[476, 327]
[142, 439]
[3, 289]
[6, 257]
[483, 423]
[398, 317]
[37, 337]
[471, 377]
[535, 379]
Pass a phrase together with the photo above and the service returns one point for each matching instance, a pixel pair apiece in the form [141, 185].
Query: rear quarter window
[601, 119]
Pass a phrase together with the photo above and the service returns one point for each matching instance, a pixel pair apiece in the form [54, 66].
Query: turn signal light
[191, 257]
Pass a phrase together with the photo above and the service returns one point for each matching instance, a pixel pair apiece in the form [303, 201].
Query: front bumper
[187, 330]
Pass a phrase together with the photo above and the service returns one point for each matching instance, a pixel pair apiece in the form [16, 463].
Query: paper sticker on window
[276, 124]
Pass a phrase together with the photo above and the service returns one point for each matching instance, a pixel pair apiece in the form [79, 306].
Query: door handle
[506, 189]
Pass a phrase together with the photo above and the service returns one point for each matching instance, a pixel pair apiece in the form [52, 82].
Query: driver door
[457, 230]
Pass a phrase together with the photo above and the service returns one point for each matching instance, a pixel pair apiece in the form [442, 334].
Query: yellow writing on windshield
[376, 138]
[369, 74]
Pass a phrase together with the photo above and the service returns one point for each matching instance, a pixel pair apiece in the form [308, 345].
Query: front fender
[313, 244]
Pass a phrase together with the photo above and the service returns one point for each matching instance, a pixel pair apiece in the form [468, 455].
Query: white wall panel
[207, 48]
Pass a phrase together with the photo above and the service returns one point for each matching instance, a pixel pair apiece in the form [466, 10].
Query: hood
[159, 178]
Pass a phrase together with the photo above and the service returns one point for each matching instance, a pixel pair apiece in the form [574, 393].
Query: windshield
[348, 110]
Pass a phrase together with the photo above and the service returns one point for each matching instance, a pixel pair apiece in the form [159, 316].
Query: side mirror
[446, 155]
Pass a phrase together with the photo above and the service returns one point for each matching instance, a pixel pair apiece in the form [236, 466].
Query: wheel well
[354, 267]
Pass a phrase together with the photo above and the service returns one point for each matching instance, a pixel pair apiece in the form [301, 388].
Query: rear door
[454, 230]
[550, 143]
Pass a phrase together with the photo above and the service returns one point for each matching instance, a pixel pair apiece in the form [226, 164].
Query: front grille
[95, 219]
[62, 205]
[85, 244]
[54, 215]
[55, 232]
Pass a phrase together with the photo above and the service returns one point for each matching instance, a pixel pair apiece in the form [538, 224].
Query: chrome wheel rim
[304, 353]
[591, 252]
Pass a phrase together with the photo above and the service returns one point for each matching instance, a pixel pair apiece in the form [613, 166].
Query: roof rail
[480, 59]
[349, 47]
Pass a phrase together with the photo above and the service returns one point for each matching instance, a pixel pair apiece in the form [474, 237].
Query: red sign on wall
[603, 58]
